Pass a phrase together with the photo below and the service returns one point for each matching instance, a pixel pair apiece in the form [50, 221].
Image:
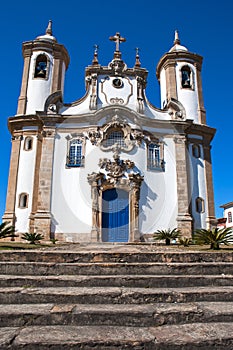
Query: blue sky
[205, 27]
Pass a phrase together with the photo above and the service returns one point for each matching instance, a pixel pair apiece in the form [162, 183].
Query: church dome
[48, 36]
[177, 46]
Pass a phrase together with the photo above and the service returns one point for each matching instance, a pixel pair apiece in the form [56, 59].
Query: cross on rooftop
[118, 39]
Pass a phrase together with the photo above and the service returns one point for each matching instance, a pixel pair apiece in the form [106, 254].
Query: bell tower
[179, 74]
[45, 63]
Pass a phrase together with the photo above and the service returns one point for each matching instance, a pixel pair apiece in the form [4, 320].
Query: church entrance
[115, 215]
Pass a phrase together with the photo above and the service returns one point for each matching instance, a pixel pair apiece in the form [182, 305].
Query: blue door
[115, 216]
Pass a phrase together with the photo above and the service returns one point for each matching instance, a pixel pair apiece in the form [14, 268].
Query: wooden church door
[115, 215]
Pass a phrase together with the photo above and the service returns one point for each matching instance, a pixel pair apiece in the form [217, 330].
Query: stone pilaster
[210, 219]
[9, 214]
[42, 217]
[22, 101]
[171, 80]
[36, 182]
[201, 109]
[184, 220]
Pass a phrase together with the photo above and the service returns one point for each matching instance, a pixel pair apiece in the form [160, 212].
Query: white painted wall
[198, 187]
[38, 89]
[163, 88]
[71, 192]
[226, 211]
[188, 97]
[25, 184]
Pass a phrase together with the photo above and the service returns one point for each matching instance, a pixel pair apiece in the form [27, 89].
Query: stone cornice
[203, 130]
[58, 50]
[103, 70]
[172, 57]
[20, 121]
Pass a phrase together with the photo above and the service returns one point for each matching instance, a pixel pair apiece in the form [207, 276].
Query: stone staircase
[116, 297]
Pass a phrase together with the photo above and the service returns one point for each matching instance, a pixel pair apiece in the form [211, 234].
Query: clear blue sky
[205, 27]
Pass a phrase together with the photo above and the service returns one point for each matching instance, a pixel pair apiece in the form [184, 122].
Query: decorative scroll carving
[176, 109]
[119, 174]
[117, 100]
[93, 97]
[53, 103]
[141, 84]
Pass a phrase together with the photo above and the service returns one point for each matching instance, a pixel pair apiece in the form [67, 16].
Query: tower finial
[177, 39]
[49, 28]
[137, 62]
[95, 59]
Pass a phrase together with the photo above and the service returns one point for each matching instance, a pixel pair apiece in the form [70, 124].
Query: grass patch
[21, 245]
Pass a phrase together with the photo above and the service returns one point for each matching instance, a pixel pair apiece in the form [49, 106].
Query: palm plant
[167, 235]
[33, 237]
[185, 241]
[7, 230]
[214, 237]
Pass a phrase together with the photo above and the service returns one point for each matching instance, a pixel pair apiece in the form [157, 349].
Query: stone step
[201, 336]
[139, 256]
[113, 295]
[149, 315]
[150, 281]
[150, 268]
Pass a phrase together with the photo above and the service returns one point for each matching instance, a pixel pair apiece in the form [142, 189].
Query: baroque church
[109, 167]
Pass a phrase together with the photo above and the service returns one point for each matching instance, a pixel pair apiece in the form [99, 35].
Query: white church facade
[109, 167]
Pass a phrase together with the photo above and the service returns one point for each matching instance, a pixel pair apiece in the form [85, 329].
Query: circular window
[117, 83]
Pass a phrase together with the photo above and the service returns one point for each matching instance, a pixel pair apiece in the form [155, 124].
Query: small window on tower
[41, 67]
[28, 143]
[229, 217]
[196, 151]
[186, 77]
[200, 205]
[23, 200]
[75, 157]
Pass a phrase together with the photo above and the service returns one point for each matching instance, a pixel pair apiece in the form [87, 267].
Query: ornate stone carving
[48, 132]
[117, 176]
[118, 66]
[116, 168]
[138, 136]
[141, 83]
[94, 136]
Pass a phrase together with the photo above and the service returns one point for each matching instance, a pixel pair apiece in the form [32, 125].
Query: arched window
[75, 156]
[41, 67]
[23, 200]
[154, 157]
[186, 77]
[28, 143]
[115, 137]
[196, 150]
[200, 205]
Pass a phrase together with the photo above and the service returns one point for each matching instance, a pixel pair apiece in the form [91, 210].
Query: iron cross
[118, 39]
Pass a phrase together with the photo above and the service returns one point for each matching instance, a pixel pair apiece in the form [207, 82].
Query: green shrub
[53, 240]
[7, 230]
[167, 235]
[185, 241]
[33, 238]
[214, 237]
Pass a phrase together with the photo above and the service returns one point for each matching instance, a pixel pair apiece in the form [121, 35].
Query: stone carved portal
[118, 174]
